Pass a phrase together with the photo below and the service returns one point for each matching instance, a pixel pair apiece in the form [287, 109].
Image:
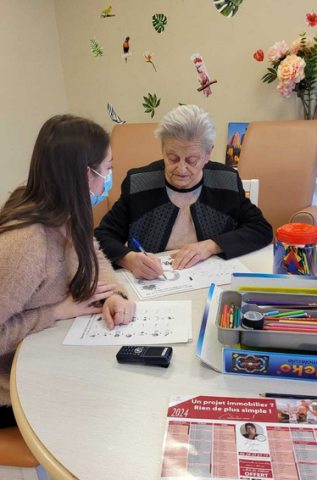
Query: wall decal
[151, 103]
[107, 12]
[202, 75]
[149, 59]
[126, 48]
[228, 8]
[159, 20]
[95, 48]
[258, 55]
[311, 19]
[113, 114]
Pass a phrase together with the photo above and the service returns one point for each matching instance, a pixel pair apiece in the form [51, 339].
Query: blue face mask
[95, 199]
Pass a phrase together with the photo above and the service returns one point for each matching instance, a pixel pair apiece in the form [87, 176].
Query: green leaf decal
[95, 48]
[228, 8]
[159, 20]
[113, 114]
[151, 102]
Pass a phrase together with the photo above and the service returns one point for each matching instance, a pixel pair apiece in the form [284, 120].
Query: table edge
[54, 468]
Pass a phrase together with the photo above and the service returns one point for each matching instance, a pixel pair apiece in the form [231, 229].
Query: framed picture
[236, 132]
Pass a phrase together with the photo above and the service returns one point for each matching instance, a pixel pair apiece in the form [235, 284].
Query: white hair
[187, 122]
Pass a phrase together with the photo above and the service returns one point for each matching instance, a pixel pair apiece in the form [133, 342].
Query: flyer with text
[228, 438]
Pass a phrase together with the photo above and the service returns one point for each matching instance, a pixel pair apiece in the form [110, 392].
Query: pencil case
[241, 332]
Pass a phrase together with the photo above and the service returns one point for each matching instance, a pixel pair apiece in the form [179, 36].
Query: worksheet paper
[230, 438]
[153, 323]
[213, 270]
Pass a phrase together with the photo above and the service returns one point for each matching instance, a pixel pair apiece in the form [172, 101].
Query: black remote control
[160, 356]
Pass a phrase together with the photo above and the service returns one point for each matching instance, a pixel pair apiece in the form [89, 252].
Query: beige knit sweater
[37, 264]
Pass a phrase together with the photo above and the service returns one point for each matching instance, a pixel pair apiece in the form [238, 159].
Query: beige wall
[227, 45]
[31, 82]
[35, 56]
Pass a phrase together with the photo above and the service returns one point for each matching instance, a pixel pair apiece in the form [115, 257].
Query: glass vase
[308, 102]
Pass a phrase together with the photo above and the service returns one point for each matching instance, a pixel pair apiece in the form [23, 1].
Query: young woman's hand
[69, 308]
[117, 310]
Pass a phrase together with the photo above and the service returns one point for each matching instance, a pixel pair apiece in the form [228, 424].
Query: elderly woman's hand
[192, 253]
[142, 266]
[117, 310]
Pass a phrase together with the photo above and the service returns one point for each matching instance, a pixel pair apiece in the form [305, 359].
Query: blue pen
[139, 246]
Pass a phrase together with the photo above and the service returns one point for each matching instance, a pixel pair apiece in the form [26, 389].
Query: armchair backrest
[283, 156]
[133, 145]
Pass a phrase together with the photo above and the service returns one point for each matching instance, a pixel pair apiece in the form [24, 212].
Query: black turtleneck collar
[184, 190]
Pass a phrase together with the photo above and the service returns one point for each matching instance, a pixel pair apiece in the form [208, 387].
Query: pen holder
[295, 249]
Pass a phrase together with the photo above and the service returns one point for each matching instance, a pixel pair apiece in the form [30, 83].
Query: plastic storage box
[264, 338]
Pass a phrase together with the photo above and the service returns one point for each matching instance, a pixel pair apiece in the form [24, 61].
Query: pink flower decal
[311, 19]
[258, 55]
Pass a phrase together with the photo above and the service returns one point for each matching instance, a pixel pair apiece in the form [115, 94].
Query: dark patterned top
[144, 211]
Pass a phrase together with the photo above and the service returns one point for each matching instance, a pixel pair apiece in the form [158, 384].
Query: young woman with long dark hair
[50, 265]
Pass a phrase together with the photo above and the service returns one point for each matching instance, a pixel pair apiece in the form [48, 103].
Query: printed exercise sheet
[228, 438]
[213, 270]
[153, 323]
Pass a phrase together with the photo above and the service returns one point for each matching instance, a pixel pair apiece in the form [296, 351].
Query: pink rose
[296, 46]
[277, 51]
[286, 88]
[291, 68]
[290, 71]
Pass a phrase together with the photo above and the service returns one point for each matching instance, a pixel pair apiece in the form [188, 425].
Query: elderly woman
[184, 202]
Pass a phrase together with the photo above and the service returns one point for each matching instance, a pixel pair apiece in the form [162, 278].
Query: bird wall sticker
[202, 75]
[228, 8]
[126, 49]
[106, 12]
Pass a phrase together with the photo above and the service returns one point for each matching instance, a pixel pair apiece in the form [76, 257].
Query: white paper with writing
[213, 270]
[153, 323]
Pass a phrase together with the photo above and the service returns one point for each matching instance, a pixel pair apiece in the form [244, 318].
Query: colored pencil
[288, 328]
[291, 313]
[312, 321]
[250, 288]
[290, 322]
[230, 316]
